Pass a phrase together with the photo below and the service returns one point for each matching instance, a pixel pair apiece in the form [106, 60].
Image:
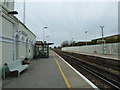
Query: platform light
[102, 31]
[44, 32]
[86, 37]
[13, 12]
[46, 27]
[102, 37]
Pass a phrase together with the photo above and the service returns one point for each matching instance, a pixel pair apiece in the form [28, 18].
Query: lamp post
[86, 37]
[44, 32]
[24, 12]
[72, 41]
[102, 37]
[47, 37]
[12, 12]
[102, 31]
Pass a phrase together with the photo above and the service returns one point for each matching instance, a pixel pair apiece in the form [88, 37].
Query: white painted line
[88, 81]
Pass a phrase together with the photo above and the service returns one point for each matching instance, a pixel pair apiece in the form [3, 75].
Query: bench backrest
[13, 64]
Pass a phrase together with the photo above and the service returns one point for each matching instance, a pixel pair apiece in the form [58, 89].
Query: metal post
[14, 32]
[24, 13]
[14, 42]
[86, 38]
[43, 35]
[44, 32]
[102, 37]
[48, 38]
[72, 41]
[14, 46]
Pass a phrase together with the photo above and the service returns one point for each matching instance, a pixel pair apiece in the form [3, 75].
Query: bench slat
[16, 66]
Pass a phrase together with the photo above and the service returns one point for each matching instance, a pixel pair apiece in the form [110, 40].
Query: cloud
[66, 20]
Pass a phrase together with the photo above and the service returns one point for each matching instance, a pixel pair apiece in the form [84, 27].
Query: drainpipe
[13, 41]
[14, 33]
[1, 45]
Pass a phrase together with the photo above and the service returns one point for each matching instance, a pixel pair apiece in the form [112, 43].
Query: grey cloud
[70, 20]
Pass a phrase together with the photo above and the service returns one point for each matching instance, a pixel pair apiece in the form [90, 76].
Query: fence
[110, 49]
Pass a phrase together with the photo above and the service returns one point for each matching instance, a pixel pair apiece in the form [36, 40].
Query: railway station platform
[114, 57]
[52, 72]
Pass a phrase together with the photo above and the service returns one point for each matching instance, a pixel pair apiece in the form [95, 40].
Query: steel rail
[90, 69]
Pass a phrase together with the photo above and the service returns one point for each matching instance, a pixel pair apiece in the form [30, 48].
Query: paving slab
[42, 73]
[46, 73]
[115, 57]
[74, 79]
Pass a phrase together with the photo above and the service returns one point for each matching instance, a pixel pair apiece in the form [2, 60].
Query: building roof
[41, 43]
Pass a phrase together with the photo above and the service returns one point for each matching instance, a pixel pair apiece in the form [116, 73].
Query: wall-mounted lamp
[13, 12]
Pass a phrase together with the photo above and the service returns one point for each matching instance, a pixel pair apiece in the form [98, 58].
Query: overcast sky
[67, 20]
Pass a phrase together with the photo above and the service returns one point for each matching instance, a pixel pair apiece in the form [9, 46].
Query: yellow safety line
[63, 75]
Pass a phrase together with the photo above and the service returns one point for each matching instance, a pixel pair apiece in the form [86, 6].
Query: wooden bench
[16, 66]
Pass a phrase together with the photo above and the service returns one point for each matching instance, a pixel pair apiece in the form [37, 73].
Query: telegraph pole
[24, 7]
[102, 37]
[102, 31]
[86, 37]
[44, 32]
[72, 41]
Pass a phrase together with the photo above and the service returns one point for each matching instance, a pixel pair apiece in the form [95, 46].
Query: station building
[16, 40]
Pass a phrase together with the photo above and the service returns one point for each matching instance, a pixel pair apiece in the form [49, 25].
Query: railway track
[110, 80]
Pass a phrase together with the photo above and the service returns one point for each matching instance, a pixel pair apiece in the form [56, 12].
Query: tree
[65, 44]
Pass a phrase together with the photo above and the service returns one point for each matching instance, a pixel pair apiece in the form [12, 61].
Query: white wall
[7, 52]
[9, 4]
[0, 54]
[7, 40]
[9, 29]
[10, 49]
[111, 49]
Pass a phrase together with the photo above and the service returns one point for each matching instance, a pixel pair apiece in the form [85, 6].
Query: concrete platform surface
[75, 79]
[50, 72]
[42, 73]
[115, 57]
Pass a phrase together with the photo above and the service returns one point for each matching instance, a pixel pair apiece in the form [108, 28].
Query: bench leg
[18, 74]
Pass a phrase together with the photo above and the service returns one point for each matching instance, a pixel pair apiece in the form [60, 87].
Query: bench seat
[16, 66]
[20, 68]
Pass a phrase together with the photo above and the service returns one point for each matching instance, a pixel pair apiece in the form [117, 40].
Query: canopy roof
[41, 43]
